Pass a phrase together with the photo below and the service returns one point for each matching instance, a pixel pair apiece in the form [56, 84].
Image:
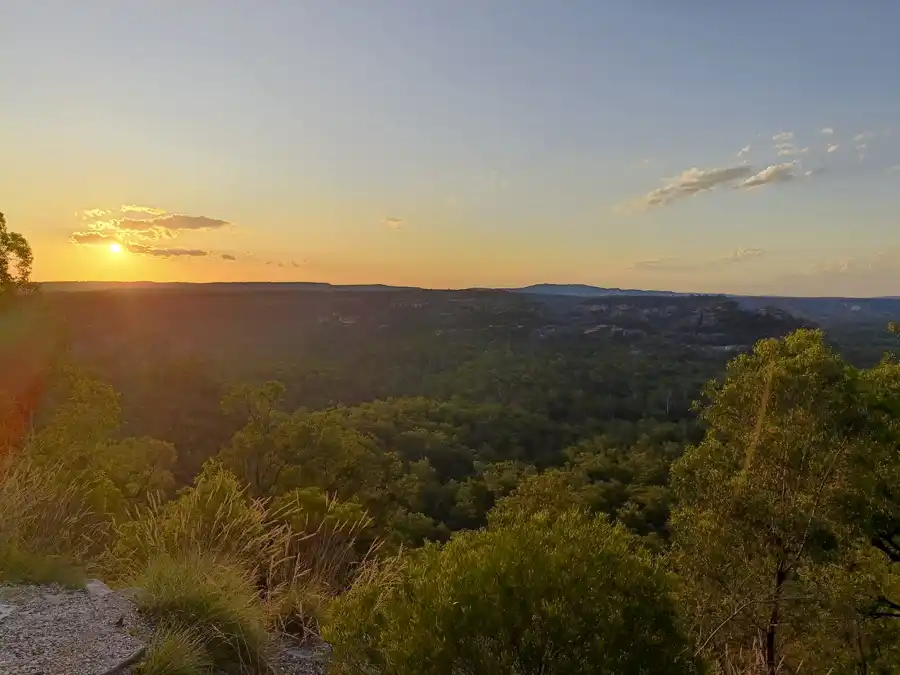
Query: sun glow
[115, 248]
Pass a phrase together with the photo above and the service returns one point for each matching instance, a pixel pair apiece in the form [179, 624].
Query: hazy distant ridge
[817, 309]
[589, 291]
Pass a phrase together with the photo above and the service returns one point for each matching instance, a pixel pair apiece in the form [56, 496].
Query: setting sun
[115, 248]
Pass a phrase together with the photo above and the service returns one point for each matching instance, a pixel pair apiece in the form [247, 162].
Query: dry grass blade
[46, 513]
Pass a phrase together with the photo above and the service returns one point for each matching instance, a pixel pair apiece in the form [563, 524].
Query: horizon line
[622, 291]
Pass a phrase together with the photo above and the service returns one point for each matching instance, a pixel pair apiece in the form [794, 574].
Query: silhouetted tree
[15, 261]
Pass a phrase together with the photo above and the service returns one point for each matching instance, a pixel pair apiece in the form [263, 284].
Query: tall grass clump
[302, 534]
[52, 521]
[237, 569]
[216, 599]
[213, 517]
[320, 549]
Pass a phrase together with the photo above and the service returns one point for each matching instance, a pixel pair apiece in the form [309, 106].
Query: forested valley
[458, 481]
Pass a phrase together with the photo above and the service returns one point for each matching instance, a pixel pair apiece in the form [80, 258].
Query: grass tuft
[176, 650]
[298, 610]
[215, 598]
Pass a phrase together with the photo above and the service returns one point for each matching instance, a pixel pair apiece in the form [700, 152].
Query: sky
[692, 146]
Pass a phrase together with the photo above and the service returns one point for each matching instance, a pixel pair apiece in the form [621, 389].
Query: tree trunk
[772, 629]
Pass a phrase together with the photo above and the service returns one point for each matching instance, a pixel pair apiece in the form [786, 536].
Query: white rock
[97, 589]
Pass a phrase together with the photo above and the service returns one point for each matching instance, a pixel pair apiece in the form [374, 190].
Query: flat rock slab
[50, 630]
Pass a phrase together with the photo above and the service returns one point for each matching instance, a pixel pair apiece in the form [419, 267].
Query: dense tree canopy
[774, 507]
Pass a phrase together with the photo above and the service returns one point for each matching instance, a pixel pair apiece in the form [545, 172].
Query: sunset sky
[700, 146]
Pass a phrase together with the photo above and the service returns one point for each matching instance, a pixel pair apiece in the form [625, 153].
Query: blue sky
[459, 143]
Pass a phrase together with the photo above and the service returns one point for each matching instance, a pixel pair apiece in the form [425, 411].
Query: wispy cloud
[861, 143]
[142, 230]
[686, 184]
[152, 225]
[171, 222]
[641, 164]
[92, 214]
[789, 149]
[776, 173]
[696, 180]
[139, 226]
[676, 264]
[663, 264]
[744, 254]
[90, 238]
[166, 252]
[865, 273]
[94, 238]
[887, 260]
[393, 224]
[134, 208]
[827, 131]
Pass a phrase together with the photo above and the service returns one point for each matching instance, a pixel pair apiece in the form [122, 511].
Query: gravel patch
[50, 630]
[292, 658]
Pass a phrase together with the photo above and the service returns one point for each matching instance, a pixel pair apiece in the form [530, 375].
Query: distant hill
[585, 291]
[225, 286]
[829, 310]
[820, 310]
[570, 290]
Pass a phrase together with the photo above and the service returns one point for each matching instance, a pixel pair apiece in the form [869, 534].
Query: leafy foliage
[763, 536]
[528, 596]
[16, 260]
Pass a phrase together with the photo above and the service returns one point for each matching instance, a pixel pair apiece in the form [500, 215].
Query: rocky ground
[45, 630]
[51, 630]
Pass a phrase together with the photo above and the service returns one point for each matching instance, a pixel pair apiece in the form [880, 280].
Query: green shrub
[176, 650]
[215, 598]
[555, 491]
[558, 595]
